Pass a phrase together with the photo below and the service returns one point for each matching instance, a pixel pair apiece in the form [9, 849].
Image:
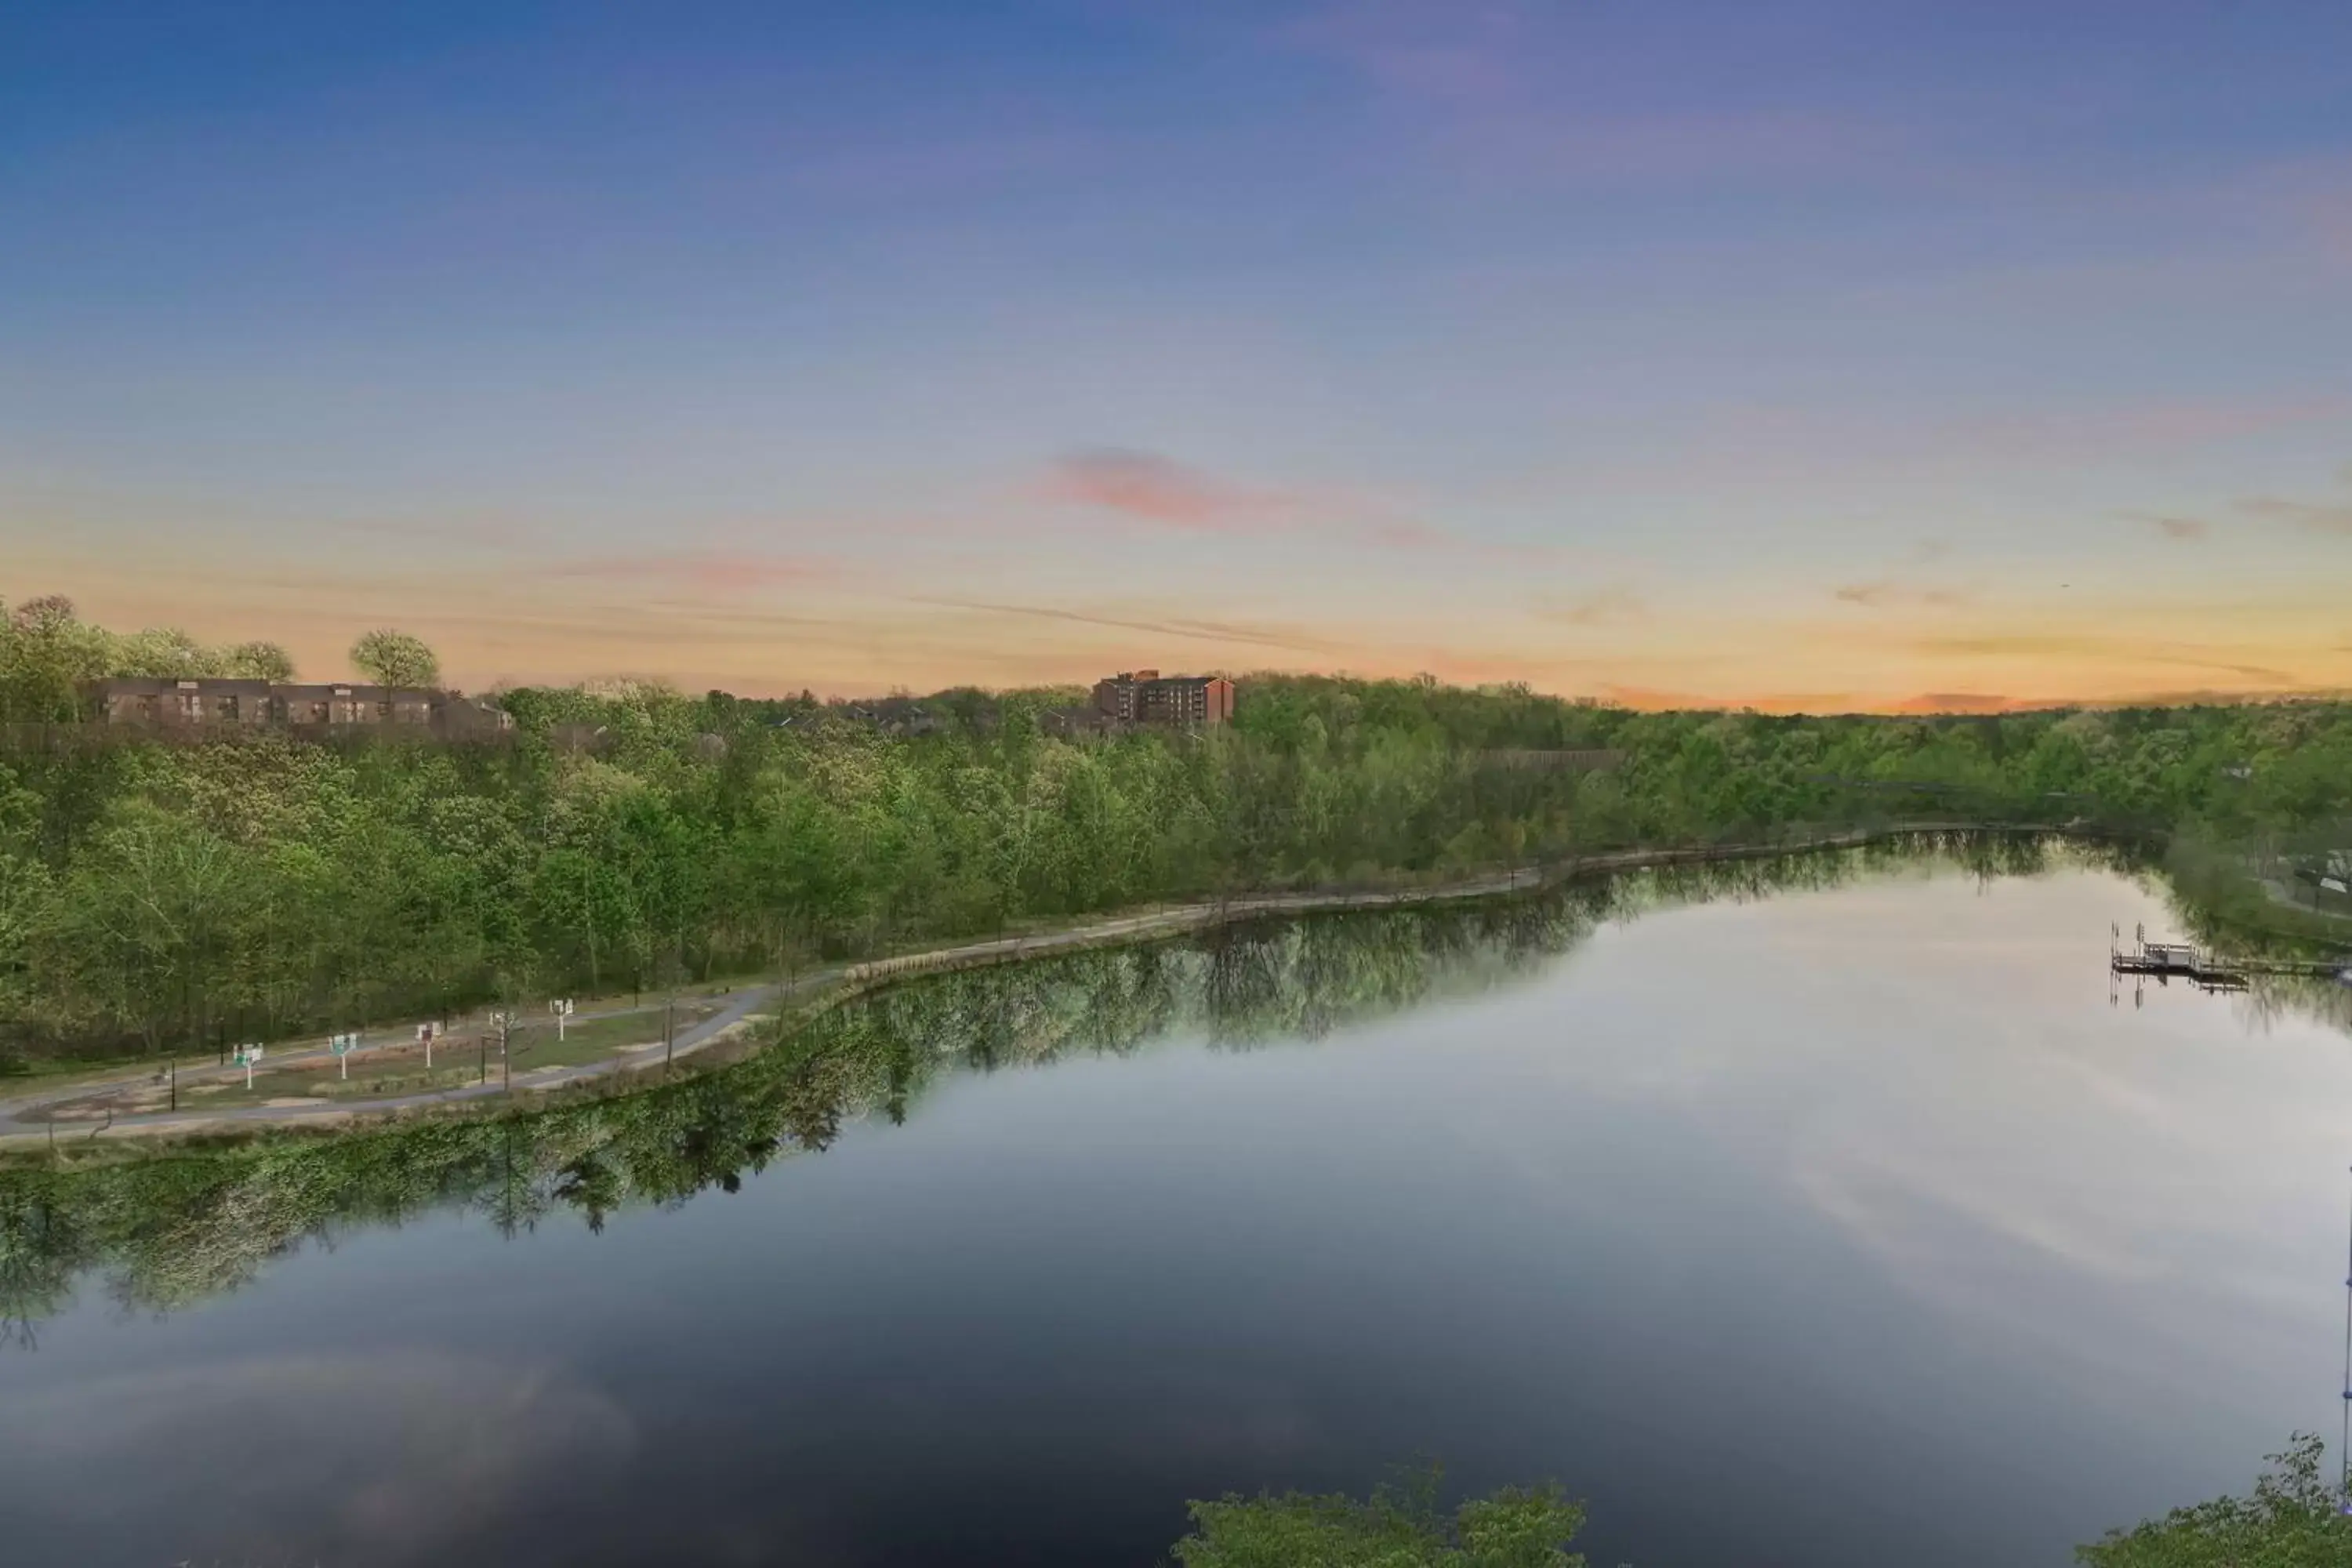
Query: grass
[394, 1068]
[32, 1075]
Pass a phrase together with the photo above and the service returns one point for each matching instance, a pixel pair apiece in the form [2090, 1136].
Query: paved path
[18, 1118]
[2283, 892]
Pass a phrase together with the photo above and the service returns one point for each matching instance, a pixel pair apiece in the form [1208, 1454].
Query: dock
[2209, 971]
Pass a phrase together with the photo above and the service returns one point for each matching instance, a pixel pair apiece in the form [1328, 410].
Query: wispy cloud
[1281, 637]
[2129, 427]
[1165, 493]
[2311, 517]
[2070, 644]
[1607, 608]
[1421, 536]
[1161, 490]
[2175, 527]
[717, 572]
[1497, 83]
[2324, 517]
[1886, 594]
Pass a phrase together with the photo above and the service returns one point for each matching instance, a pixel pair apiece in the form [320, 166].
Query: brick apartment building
[230, 705]
[1146, 697]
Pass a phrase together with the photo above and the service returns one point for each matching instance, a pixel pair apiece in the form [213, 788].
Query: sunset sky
[1821, 356]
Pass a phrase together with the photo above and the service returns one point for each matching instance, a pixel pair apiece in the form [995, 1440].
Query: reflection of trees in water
[2271, 999]
[168, 1232]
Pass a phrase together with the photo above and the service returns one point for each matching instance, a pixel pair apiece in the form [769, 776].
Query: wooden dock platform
[2208, 971]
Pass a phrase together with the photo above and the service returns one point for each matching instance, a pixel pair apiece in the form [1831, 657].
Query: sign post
[425, 1039]
[344, 1046]
[561, 1008]
[246, 1057]
[502, 1023]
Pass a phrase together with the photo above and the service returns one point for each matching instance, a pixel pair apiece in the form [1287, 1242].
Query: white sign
[246, 1057]
[561, 1008]
[342, 1045]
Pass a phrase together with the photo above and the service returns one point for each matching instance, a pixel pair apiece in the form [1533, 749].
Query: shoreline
[621, 1073]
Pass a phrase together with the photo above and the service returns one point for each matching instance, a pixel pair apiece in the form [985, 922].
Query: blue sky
[1806, 356]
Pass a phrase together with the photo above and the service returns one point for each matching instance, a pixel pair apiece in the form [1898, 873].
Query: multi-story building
[1146, 697]
[215, 704]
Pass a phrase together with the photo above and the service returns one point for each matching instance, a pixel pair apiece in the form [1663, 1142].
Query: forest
[159, 894]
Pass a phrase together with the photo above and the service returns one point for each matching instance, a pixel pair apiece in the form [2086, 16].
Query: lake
[1830, 1212]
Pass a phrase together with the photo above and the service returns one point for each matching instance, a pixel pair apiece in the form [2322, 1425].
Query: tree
[164, 652]
[1399, 1527]
[260, 662]
[148, 923]
[2290, 1521]
[391, 658]
[45, 652]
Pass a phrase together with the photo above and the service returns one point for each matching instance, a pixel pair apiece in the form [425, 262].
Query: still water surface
[1846, 1226]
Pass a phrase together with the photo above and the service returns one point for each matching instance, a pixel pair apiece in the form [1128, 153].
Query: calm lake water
[1840, 1228]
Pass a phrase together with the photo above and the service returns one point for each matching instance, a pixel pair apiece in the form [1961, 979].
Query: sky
[1805, 355]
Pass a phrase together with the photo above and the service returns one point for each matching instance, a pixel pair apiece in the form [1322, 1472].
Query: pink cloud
[2312, 518]
[1168, 494]
[1157, 489]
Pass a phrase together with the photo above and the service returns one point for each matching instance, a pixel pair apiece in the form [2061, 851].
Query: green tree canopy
[391, 657]
[2292, 1520]
[260, 662]
[1398, 1527]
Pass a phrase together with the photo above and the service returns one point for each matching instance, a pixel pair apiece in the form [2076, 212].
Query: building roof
[223, 686]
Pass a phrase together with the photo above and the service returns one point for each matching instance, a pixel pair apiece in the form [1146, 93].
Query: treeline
[47, 652]
[181, 897]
